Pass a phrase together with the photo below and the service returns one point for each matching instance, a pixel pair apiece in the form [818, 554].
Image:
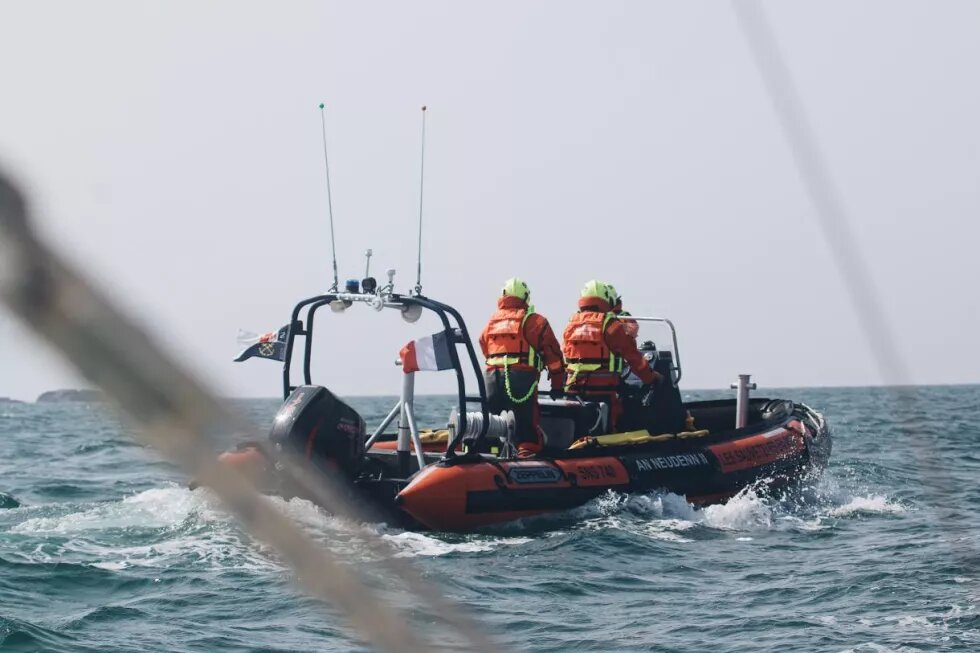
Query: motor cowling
[314, 424]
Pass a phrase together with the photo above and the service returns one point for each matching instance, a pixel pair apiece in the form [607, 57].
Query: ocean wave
[877, 504]
[348, 537]
[856, 558]
[105, 613]
[669, 517]
[160, 527]
[23, 635]
[150, 509]
[163, 527]
[409, 545]
[156, 528]
[659, 515]
[746, 511]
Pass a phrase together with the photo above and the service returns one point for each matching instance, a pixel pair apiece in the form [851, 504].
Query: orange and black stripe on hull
[472, 493]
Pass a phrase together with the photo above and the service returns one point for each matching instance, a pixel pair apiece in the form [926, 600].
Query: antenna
[418, 278]
[326, 165]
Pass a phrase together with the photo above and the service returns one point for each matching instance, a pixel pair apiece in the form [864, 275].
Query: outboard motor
[314, 424]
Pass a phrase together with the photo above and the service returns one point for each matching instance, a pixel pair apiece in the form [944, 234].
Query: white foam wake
[669, 517]
[156, 508]
[161, 526]
[410, 545]
[174, 524]
[876, 504]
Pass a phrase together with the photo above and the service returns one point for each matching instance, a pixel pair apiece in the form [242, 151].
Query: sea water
[103, 548]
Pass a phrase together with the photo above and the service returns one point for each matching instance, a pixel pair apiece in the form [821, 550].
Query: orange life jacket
[587, 356]
[506, 344]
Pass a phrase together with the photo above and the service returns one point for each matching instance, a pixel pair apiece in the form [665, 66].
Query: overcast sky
[173, 149]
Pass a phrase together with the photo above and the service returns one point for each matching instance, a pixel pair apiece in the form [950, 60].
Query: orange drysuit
[596, 344]
[517, 342]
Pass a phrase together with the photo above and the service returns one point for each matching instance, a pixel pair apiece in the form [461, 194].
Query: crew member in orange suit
[518, 343]
[597, 343]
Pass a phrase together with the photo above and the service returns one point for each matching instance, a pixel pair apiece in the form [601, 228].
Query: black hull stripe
[685, 482]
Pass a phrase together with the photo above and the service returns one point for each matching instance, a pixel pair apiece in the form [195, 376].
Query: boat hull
[467, 492]
[473, 492]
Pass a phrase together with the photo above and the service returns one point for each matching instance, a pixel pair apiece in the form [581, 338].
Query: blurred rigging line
[176, 414]
[818, 183]
[835, 224]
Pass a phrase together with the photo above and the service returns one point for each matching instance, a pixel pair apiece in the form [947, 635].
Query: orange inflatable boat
[463, 476]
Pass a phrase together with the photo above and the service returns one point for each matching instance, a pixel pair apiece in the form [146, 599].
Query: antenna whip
[326, 165]
[418, 277]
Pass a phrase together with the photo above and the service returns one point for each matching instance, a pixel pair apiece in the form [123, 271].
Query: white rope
[501, 426]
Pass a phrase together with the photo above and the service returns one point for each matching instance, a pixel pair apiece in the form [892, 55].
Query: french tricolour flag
[429, 353]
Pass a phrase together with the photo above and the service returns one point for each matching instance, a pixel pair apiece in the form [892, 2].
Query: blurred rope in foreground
[835, 225]
[175, 413]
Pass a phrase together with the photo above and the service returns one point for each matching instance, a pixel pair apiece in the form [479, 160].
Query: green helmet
[603, 291]
[516, 288]
[613, 294]
[617, 300]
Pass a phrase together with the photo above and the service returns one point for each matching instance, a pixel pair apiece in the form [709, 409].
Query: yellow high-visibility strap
[530, 392]
[532, 355]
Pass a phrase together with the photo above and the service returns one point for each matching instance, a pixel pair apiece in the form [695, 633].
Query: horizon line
[682, 390]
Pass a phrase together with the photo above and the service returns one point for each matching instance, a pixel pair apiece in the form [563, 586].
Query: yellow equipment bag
[632, 438]
[433, 436]
[618, 439]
